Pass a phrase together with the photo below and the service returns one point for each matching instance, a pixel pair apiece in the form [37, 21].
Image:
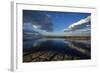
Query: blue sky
[60, 20]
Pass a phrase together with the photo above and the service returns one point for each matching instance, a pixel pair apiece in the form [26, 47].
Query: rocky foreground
[47, 56]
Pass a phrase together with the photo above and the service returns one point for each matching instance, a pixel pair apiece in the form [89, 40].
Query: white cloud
[36, 26]
[73, 28]
[81, 22]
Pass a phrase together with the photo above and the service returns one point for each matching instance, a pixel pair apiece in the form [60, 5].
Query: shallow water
[72, 48]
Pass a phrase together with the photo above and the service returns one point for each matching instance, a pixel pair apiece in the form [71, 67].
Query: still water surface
[78, 48]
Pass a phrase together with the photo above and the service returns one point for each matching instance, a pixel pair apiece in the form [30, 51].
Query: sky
[60, 20]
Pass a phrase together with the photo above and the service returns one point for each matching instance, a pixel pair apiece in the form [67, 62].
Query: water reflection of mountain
[56, 49]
